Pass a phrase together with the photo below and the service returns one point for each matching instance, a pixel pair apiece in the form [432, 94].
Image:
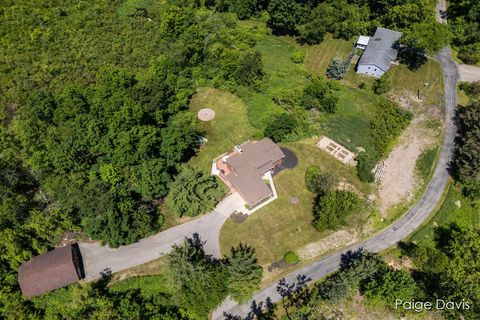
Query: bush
[320, 95]
[286, 97]
[333, 207]
[298, 56]
[387, 123]
[381, 85]
[365, 165]
[291, 257]
[319, 182]
[338, 68]
[471, 89]
[280, 127]
[470, 54]
[363, 86]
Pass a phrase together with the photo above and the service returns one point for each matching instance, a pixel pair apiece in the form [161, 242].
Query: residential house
[244, 168]
[381, 50]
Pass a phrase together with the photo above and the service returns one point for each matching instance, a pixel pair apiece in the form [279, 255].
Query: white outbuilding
[362, 42]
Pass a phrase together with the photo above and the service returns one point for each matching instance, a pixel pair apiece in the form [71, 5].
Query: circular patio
[206, 114]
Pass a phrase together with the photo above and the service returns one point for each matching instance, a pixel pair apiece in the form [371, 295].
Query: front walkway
[97, 258]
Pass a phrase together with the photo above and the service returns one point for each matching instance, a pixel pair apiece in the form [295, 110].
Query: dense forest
[464, 17]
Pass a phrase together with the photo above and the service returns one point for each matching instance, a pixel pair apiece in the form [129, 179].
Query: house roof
[363, 40]
[249, 164]
[48, 271]
[382, 48]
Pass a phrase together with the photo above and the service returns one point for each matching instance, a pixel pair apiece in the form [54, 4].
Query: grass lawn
[464, 215]
[350, 124]
[229, 127]
[425, 162]
[282, 73]
[428, 79]
[319, 56]
[282, 226]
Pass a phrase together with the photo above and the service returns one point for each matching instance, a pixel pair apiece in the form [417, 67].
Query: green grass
[425, 162]
[282, 226]
[350, 124]
[465, 215]
[319, 56]
[229, 127]
[282, 73]
[149, 286]
[428, 79]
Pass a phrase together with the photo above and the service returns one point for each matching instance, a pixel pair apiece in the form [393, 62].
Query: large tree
[199, 281]
[244, 273]
[193, 192]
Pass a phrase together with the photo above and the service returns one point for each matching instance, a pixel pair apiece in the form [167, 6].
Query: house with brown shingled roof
[243, 169]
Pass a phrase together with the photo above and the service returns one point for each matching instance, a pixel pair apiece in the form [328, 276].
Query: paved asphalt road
[399, 230]
[96, 258]
[469, 73]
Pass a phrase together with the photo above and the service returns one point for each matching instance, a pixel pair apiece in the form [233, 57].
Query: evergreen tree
[244, 273]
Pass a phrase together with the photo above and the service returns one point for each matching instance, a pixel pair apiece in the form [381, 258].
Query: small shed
[362, 42]
[51, 270]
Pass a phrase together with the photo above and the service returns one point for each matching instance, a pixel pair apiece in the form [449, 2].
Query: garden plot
[336, 150]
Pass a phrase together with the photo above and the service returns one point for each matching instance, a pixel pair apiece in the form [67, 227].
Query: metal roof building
[381, 50]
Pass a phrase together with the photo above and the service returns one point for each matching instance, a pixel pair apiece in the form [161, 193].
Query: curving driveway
[97, 258]
[400, 229]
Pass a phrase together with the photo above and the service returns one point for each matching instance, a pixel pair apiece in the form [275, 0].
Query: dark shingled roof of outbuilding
[48, 271]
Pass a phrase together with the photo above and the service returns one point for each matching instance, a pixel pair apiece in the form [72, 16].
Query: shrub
[471, 89]
[298, 56]
[320, 95]
[381, 85]
[286, 97]
[470, 54]
[337, 68]
[365, 165]
[387, 123]
[319, 182]
[333, 207]
[291, 257]
[282, 125]
[363, 86]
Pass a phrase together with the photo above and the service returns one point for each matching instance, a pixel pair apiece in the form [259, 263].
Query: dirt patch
[333, 241]
[399, 180]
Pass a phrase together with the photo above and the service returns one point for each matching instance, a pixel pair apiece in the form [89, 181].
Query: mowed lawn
[319, 56]
[428, 79]
[229, 127]
[282, 226]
